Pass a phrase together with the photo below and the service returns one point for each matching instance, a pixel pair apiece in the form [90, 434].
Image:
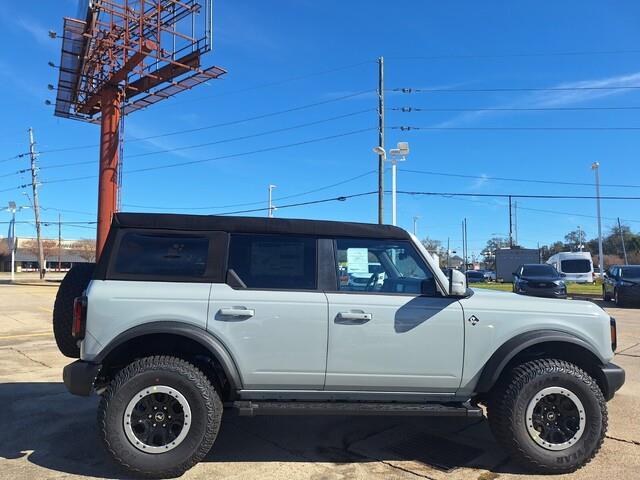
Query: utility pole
[580, 246]
[624, 250]
[381, 140]
[515, 221]
[271, 207]
[510, 225]
[595, 166]
[36, 206]
[448, 253]
[466, 245]
[59, 240]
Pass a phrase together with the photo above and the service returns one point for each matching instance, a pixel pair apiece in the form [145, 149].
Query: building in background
[57, 257]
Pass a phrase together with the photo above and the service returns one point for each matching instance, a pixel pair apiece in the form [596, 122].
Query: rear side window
[274, 261]
[163, 255]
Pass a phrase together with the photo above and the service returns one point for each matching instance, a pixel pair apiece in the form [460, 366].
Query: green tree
[575, 238]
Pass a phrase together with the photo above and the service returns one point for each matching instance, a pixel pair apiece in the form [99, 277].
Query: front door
[273, 318]
[384, 333]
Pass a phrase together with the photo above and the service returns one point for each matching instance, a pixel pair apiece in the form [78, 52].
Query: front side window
[576, 266]
[384, 266]
[160, 254]
[274, 261]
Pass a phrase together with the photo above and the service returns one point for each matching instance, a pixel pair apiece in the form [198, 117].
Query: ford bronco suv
[184, 316]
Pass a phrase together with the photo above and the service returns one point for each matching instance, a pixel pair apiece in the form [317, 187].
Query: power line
[516, 55]
[218, 125]
[523, 180]
[406, 128]
[341, 198]
[519, 195]
[508, 109]
[318, 189]
[516, 89]
[216, 142]
[205, 160]
[276, 83]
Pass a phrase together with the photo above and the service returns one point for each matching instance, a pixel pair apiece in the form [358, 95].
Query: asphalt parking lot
[47, 433]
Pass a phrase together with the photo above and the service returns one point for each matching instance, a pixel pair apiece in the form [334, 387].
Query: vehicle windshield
[630, 272]
[577, 265]
[539, 271]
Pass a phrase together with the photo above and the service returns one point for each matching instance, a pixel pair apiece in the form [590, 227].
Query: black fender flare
[512, 347]
[192, 332]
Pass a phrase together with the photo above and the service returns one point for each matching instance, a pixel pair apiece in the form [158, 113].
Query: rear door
[389, 336]
[270, 314]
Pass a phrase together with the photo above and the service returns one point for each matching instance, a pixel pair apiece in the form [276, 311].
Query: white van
[576, 266]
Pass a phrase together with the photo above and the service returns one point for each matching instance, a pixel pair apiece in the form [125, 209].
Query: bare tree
[50, 247]
[85, 249]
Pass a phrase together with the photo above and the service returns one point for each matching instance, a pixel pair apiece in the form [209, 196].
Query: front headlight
[561, 283]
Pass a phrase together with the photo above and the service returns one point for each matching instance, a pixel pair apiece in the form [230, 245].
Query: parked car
[490, 275]
[622, 284]
[183, 315]
[576, 266]
[539, 280]
[475, 276]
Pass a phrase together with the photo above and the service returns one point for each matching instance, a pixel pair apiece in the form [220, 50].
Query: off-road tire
[507, 415]
[206, 412]
[606, 297]
[73, 284]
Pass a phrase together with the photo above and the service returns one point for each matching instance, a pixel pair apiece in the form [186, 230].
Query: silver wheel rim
[555, 418]
[157, 419]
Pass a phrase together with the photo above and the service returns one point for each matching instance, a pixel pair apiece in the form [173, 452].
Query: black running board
[253, 408]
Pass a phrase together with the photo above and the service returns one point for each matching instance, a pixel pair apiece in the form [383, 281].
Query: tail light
[79, 324]
[614, 334]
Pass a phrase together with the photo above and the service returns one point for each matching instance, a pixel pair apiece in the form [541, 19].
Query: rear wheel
[73, 285]
[550, 415]
[159, 416]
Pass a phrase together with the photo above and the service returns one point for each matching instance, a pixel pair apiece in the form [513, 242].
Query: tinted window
[539, 271]
[575, 266]
[384, 266]
[475, 274]
[162, 255]
[630, 272]
[274, 261]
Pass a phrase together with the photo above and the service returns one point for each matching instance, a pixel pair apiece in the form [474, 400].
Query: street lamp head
[380, 151]
[595, 165]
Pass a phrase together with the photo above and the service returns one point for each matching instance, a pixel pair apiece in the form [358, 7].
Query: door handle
[353, 318]
[237, 312]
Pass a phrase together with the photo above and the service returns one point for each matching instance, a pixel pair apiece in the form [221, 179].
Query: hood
[498, 301]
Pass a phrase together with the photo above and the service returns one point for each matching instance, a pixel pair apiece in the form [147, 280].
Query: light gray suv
[185, 315]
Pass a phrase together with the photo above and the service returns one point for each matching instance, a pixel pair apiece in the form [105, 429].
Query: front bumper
[613, 378]
[79, 376]
[548, 292]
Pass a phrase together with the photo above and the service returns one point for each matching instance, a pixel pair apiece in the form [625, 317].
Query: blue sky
[467, 45]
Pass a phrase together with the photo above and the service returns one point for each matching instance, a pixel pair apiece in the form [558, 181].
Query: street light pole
[415, 225]
[271, 208]
[595, 166]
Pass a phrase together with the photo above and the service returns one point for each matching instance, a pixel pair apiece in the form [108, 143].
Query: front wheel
[159, 416]
[605, 296]
[550, 415]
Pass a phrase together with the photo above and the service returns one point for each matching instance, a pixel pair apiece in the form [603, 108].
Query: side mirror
[564, 275]
[457, 283]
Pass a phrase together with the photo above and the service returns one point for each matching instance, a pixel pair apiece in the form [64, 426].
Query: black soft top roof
[170, 221]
